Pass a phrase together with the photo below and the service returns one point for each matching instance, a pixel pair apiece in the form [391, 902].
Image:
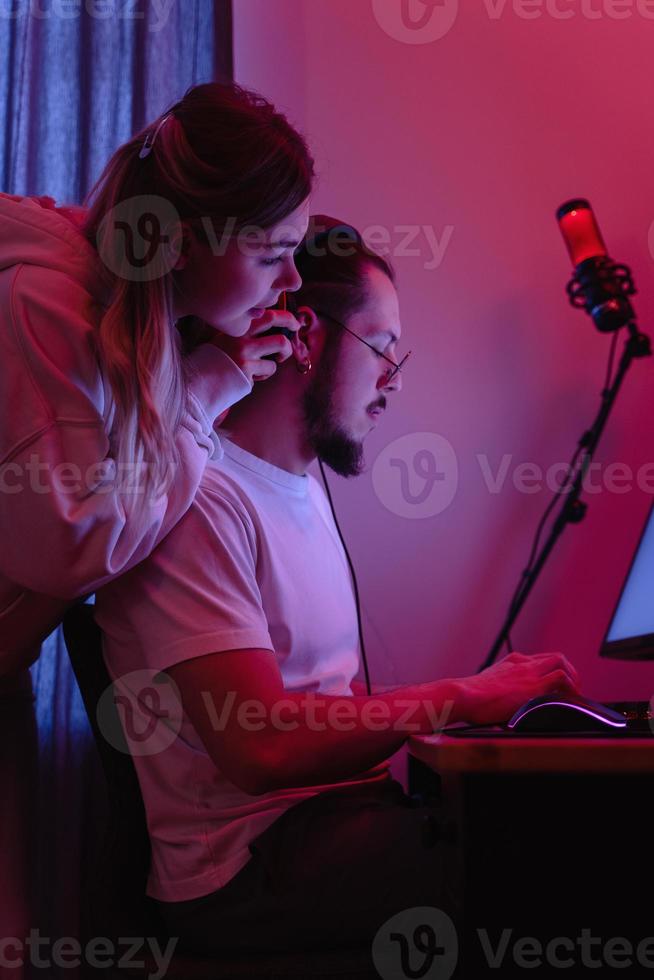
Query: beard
[330, 442]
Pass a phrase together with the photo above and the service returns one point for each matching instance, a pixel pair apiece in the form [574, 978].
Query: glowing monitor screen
[631, 631]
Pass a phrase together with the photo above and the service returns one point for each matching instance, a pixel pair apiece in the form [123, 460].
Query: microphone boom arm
[573, 509]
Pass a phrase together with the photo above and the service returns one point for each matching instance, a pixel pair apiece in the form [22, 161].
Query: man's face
[349, 391]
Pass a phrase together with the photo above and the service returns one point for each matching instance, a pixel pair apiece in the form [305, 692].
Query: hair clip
[149, 141]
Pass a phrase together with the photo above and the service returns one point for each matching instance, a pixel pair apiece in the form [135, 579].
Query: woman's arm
[68, 526]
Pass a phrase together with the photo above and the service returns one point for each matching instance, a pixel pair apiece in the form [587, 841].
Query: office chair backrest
[117, 887]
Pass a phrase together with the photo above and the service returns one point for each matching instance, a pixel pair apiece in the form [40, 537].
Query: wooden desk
[551, 836]
[459, 754]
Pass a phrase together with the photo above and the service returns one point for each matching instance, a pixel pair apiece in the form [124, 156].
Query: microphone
[599, 285]
[602, 287]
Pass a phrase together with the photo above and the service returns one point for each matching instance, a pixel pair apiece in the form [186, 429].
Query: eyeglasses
[390, 372]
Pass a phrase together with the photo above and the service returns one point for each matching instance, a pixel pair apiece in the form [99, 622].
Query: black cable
[352, 573]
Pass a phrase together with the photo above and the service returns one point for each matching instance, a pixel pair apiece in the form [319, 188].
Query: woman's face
[229, 282]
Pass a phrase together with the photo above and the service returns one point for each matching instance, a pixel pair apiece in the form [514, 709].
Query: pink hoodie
[54, 407]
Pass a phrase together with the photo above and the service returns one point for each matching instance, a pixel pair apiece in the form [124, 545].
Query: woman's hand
[495, 694]
[249, 351]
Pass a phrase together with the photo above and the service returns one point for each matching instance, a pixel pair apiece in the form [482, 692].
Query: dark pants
[327, 874]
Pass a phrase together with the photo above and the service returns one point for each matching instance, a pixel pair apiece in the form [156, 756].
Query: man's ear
[309, 324]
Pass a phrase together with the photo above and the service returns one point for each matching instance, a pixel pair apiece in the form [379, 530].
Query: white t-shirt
[255, 563]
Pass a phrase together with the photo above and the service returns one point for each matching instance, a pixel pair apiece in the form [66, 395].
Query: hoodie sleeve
[67, 528]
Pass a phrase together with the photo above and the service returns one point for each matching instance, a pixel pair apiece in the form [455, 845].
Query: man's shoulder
[219, 485]
[218, 520]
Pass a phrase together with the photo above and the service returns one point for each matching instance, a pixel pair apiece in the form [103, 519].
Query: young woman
[107, 397]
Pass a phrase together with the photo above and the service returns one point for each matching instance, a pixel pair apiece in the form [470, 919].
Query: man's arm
[359, 688]
[263, 737]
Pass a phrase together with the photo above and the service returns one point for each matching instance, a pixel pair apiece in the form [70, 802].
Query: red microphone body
[599, 284]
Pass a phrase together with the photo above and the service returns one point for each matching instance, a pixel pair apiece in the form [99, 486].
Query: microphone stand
[573, 509]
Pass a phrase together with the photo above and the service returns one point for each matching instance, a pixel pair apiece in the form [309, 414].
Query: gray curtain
[73, 88]
[76, 80]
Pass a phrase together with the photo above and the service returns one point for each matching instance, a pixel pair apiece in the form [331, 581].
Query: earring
[305, 367]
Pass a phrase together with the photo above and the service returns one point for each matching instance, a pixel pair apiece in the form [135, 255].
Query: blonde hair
[222, 154]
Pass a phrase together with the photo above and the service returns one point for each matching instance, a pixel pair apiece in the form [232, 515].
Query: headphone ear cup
[289, 334]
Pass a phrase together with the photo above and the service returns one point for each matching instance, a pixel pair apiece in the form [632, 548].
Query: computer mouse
[565, 713]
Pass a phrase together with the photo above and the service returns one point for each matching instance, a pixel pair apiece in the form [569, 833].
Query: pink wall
[484, 131]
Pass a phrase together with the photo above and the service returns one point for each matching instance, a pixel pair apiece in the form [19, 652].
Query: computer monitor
[630, 635]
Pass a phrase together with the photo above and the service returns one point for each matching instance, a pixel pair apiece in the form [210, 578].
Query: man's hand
[248, 352]
[495, 694]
